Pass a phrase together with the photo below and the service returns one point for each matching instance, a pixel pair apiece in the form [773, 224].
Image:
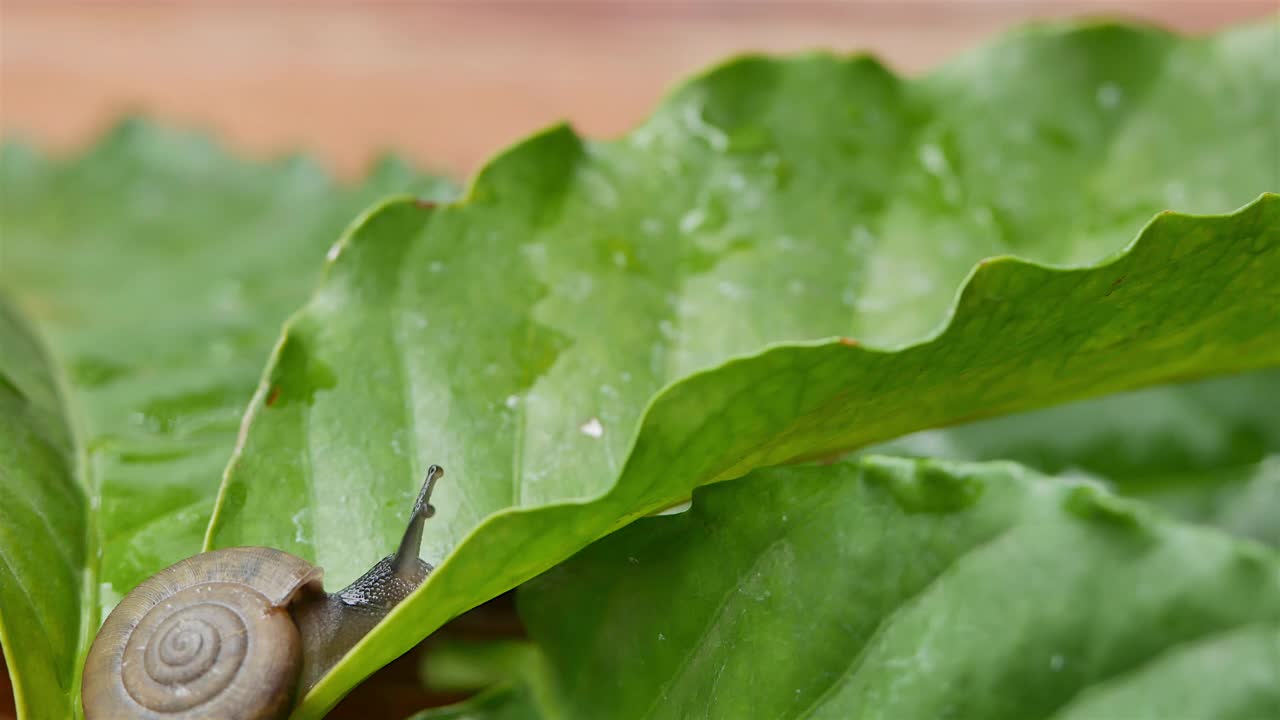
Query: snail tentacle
[406, 562]
[333, 624]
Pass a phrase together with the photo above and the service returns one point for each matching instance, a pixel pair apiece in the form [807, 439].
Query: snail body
[239, 633]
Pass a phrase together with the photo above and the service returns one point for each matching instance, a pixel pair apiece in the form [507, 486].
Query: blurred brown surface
[7, 709]
[450, 83]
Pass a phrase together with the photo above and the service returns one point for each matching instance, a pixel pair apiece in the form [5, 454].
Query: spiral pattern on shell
[209, 637]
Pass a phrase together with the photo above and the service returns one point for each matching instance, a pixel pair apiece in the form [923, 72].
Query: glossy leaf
[519, 336]
[157, 269]
[897, 589]
[471, 665]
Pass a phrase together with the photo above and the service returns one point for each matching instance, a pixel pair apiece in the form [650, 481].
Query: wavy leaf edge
[987, 265]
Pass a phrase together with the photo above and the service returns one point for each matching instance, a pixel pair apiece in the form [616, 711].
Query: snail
[240, 632]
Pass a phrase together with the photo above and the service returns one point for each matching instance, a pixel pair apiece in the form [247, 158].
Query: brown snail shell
[208, 637]
[238, 633]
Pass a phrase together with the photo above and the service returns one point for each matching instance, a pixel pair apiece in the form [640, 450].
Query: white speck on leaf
[512, 401]
[933, 159]
[437, 266]
[861, 241]
[620, 259]
[1056, 662]
[731, 290]
[580, 287]
[676, 509]
[870, 304]
[643, 136]
[692, 220]
[936, 163]
[601, 191]
[592, 428]
[298, 535]
[334, 252]
[698, 125]
[919, 283]
[1108, 96]
[417, 320]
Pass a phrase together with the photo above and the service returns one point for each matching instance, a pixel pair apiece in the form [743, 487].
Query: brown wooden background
[448, 83]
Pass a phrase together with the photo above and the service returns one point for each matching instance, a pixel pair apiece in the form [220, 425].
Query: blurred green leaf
[156, 269]
[519, 337]
[908, 589]
[467, 666]
[501, 703]
[1209, 452]
[512, 675]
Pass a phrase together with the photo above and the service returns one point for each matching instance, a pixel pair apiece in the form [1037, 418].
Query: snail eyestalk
[406, 563]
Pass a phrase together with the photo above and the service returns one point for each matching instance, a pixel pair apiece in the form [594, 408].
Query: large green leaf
[518, 337]
[901, 589]
[157, 269]
[42, 524]
[1207, 451]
